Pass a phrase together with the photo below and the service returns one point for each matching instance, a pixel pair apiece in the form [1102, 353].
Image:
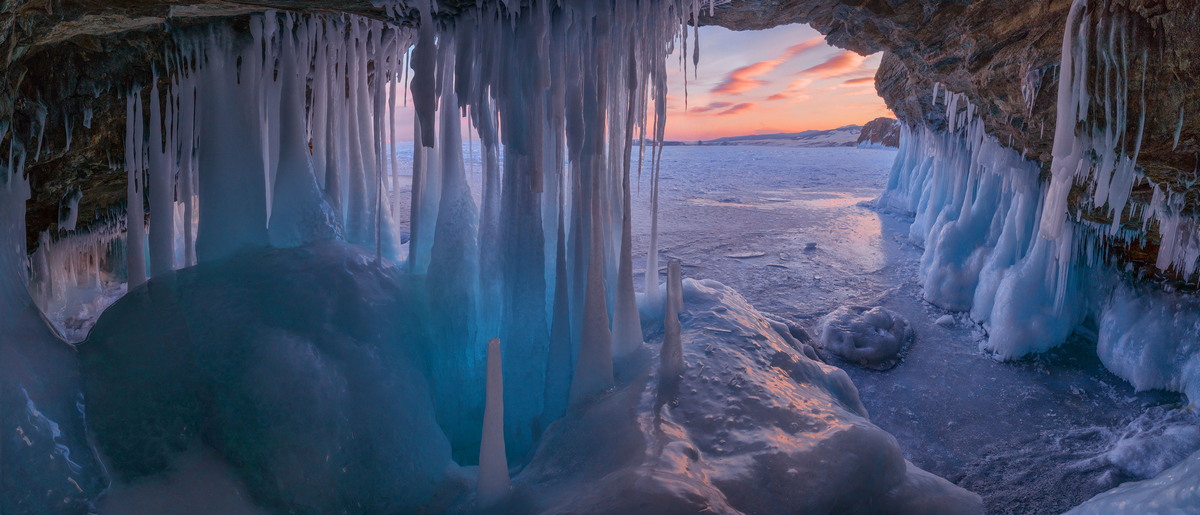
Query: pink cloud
[794, 89]
[742, 107]
[841, 64]
[712, 106]
[861, 80]
[745, 78]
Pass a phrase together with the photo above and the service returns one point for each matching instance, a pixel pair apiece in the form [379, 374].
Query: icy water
[1035, 436]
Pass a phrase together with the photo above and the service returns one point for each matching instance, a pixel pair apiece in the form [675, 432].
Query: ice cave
[599, 256]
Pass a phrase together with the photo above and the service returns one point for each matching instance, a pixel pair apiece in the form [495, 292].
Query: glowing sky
[784, 79]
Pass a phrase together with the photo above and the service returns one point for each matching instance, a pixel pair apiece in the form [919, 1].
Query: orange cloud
[862, 80]
[841, 64]
[712, 106]
[745, 78]
[794, 89]
[742, 107]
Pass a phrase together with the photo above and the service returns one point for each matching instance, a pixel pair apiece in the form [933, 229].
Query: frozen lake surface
[1034, 436]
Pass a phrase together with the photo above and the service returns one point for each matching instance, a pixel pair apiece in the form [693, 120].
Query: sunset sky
[784, 79]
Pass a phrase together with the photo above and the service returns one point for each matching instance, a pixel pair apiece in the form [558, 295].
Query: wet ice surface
[1030, 436]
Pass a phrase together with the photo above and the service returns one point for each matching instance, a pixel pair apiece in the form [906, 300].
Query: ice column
[594, 368]
[135, 209]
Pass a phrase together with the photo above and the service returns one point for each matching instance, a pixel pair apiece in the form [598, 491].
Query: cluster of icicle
[1097, 143]
[977, 207]
[980, 210]
[287, 135]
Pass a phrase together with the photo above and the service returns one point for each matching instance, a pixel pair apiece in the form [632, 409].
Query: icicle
[1178, 129]
[627, 328]
[1067, 153]
[162, 185]
[69, 212]
[493, 464]
[135, 217]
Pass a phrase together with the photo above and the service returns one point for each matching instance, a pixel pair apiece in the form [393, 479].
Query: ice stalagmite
[493, 464]
[671, 358]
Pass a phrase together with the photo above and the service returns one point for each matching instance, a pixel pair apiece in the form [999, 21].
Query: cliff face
[62, 57]
[881, 132]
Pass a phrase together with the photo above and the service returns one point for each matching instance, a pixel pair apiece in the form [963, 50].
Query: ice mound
[751, 426]
[1154, 441]
[871, 337]
[300, 369]
[1177, 490]
[1152, 339]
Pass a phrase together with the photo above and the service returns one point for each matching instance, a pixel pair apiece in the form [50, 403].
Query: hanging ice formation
[286, 135]
[1001, 244]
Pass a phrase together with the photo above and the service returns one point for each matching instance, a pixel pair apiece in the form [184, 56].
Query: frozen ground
[1039, 435]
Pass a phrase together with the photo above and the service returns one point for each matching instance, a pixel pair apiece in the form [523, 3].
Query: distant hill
[880, 133]
[846, 136]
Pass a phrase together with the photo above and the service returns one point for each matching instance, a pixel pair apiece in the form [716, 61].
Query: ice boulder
[296, 370]
[871, 337]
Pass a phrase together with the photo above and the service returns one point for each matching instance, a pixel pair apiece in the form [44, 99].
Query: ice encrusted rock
[872, 337]
[290, 383]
